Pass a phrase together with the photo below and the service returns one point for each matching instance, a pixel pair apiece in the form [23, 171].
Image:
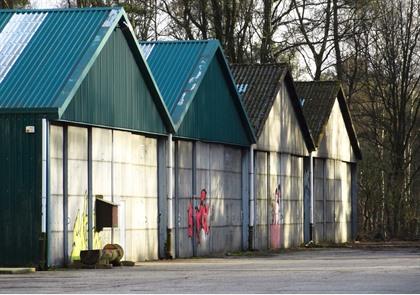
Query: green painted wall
[114, 93]
[213, 115]
[20, 190]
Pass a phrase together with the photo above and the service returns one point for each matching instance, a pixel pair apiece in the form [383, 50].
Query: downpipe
[311, 185]
[170, 227]
[251, 198]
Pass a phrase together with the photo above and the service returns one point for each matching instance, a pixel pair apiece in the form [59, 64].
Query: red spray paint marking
[204, 213]
[201, 217]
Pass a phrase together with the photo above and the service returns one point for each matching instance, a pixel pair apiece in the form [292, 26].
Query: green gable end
[213, 115]
[114, 93]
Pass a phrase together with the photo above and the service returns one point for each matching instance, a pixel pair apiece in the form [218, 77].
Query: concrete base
[16, 270]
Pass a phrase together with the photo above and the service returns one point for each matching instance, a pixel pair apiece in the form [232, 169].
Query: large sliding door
[124, 171]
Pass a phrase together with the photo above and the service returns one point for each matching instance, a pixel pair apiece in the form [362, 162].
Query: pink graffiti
[275, 227]
[201, 216]
[275, 219]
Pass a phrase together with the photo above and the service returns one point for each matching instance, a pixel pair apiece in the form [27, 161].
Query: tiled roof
[259, 84]
[318, 99]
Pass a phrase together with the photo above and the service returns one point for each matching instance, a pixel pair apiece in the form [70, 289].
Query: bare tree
[313, 21]
[10, 4]
[393, 87]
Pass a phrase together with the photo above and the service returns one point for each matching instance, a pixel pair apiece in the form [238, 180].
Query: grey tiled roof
[258, 84]
[318, 99]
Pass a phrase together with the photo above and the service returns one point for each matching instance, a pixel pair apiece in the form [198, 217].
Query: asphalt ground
[340, 270]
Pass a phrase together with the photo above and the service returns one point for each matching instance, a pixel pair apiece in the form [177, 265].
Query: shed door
[208, 199]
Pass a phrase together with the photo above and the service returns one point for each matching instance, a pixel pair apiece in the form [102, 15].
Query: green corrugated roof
[50, 56]
[179, 68]
[46, 62]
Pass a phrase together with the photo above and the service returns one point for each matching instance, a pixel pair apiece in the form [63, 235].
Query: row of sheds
[200, 157]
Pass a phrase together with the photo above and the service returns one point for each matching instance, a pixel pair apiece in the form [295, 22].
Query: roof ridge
[36, 10]
[261, 64]
[320, 81]
[178, 41]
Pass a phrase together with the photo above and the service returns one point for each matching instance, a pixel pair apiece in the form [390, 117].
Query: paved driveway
[302, 271]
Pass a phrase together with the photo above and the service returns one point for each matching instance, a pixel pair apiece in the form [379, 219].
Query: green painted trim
[52, 111]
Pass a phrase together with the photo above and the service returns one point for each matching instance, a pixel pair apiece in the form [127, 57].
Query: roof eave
[51, 112]
[307, 135]
[142, 63]
[349, 123]
[243, 113]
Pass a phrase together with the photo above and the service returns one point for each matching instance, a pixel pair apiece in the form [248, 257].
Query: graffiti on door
[80, 233]
[198, 217]
[275, 206]
[276, 217]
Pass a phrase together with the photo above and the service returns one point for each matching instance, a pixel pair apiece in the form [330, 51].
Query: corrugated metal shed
[46, 54]
[180, 67]
[78, 65]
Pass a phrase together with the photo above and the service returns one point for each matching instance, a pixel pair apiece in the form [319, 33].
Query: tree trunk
[217, 20]
[266, 39]
[339, 61]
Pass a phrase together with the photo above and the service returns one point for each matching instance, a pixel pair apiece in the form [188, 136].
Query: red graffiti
[203, 195]
[201, 217]
[202, 214]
